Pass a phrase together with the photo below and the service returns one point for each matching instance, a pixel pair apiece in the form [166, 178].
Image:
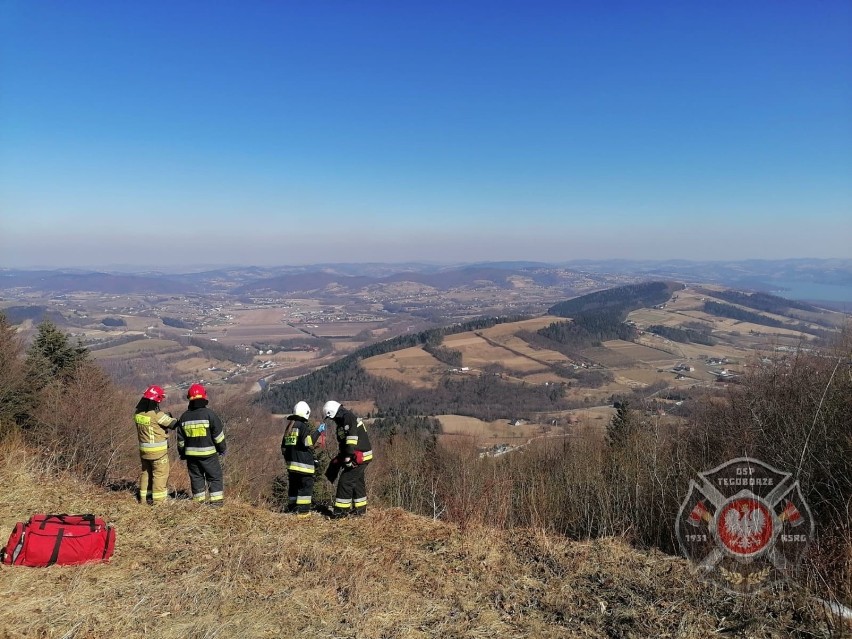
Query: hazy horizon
[133, 268]
[169, 134]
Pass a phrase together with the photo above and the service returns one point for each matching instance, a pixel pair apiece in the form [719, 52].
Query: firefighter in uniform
[354, 453]
[152, 425]
[201, 441]
[297, 446]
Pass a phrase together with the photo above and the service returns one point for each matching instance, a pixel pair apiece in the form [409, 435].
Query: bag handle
[88, 517]
[60, 536]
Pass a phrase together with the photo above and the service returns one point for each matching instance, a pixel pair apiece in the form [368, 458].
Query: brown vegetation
[184, 570]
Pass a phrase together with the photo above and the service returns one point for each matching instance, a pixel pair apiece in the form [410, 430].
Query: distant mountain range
[808, 279]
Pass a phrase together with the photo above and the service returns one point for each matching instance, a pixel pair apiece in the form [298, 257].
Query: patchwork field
[488, 433]
[650, 362]
[261, 324]
[413, 366]
[478, 352]
[138, 348]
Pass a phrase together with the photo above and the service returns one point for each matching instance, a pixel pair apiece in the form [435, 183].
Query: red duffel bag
[65, 540]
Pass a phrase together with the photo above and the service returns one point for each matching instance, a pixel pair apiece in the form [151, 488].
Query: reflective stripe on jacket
[200, 433]
[150, 429]
[297, 446]
[352, 435]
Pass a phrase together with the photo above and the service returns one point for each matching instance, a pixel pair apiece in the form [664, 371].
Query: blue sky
[170, 133]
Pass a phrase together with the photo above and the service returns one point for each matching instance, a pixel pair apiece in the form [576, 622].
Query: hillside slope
[182, 570]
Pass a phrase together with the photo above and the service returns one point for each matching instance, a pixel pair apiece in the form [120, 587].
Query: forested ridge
[761, 301]
[598, 317]
[735, 312]
[621, 299]
[589, 328]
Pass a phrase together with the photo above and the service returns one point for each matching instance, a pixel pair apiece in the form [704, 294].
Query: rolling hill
[624, 341]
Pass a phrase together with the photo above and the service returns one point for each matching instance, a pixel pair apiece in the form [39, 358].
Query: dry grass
[182, 570]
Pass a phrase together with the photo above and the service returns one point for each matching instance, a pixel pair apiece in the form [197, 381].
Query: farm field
[487, 433]
[575, 423]
[234, 335]
[253, 325]
[478, 352]
[412, 366]
[138, 348]
[338, 329]
[637, 352]
[510, 329]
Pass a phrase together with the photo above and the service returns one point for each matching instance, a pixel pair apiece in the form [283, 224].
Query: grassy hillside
[182, 570]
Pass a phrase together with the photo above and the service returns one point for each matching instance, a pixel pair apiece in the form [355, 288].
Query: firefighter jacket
[297, 446]
[151, 429]
[352, 438]
[200, 432]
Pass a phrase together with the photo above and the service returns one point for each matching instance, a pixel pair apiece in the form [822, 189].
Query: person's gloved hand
[166, 420]
[222, 454]
[348, 462]
[321, 427]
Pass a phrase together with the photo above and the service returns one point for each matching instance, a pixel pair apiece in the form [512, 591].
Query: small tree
[15, 400]
[622, 425]
[51, 356]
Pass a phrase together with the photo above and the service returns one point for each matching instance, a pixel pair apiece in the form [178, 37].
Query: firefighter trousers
[152, 482]
[205, 476]
[351, 491]
[300, 490]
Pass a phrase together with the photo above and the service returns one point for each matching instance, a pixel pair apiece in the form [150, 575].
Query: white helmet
[330, 408]
[302, 410]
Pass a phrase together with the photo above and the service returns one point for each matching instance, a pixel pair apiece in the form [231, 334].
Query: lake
[810, 291]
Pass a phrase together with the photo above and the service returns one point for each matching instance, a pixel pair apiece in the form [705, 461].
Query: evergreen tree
[622, 425]
[52, 356]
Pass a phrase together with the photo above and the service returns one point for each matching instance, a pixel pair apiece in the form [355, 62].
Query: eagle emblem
[745, 524]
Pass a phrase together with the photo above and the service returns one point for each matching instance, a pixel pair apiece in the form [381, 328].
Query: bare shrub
[253, 461]
[81, 425]
[404, 475]
[795, 414]
[15, 398]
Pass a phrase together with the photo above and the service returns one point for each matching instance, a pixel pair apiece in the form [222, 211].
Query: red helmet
[155, 393]
[196, 391]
